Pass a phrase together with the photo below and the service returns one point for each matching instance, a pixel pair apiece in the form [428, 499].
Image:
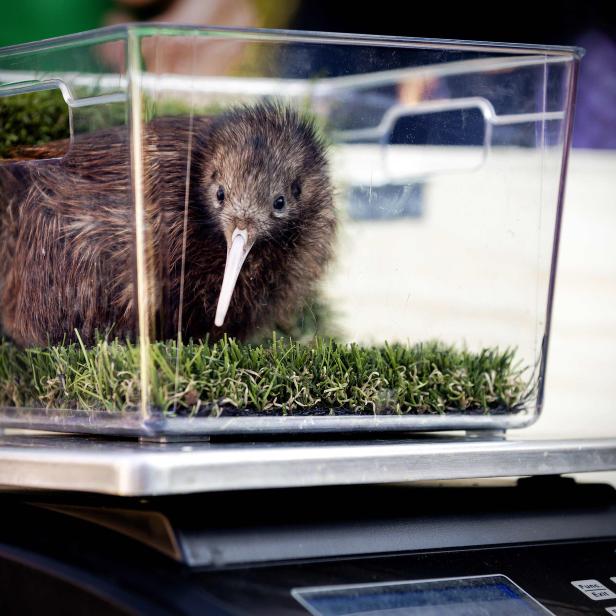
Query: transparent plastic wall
[268, 231]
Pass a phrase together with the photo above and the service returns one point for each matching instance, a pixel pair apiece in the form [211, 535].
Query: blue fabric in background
[595, 116]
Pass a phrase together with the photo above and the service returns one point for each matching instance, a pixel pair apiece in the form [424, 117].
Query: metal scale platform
[406, 526]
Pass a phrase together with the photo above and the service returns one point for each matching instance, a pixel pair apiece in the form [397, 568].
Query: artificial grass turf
[280, 377]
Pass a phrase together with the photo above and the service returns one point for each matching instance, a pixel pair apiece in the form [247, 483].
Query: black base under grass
[277, 378]
[211, 410]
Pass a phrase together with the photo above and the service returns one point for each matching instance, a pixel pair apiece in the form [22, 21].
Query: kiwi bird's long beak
[237, 252]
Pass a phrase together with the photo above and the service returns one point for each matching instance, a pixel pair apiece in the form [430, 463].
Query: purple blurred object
[595, 115]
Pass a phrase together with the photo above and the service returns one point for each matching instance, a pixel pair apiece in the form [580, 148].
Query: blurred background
[590, 24]
[581, 381]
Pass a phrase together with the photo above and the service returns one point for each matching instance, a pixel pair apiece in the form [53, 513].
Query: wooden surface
[581, 379]
[466, 272]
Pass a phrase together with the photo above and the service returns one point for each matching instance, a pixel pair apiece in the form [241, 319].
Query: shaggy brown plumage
[67, 245]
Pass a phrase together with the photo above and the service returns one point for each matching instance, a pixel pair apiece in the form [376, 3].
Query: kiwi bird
[237, 248]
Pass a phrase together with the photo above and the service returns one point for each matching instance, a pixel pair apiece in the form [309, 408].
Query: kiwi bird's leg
[237, 251]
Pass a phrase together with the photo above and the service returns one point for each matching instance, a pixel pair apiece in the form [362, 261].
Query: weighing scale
[474, 523]
[420, 525]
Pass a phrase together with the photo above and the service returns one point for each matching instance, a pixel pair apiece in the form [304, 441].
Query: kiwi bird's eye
[220, 194]
[279, 203]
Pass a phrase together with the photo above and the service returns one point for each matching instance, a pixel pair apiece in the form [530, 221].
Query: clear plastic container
[209, 230]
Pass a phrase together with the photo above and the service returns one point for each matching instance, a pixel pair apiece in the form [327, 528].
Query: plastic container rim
[307, 36]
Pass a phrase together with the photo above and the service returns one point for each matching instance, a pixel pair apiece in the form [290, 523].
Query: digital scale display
[469, 596]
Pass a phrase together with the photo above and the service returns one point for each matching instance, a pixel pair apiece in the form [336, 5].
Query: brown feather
[67, 256]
